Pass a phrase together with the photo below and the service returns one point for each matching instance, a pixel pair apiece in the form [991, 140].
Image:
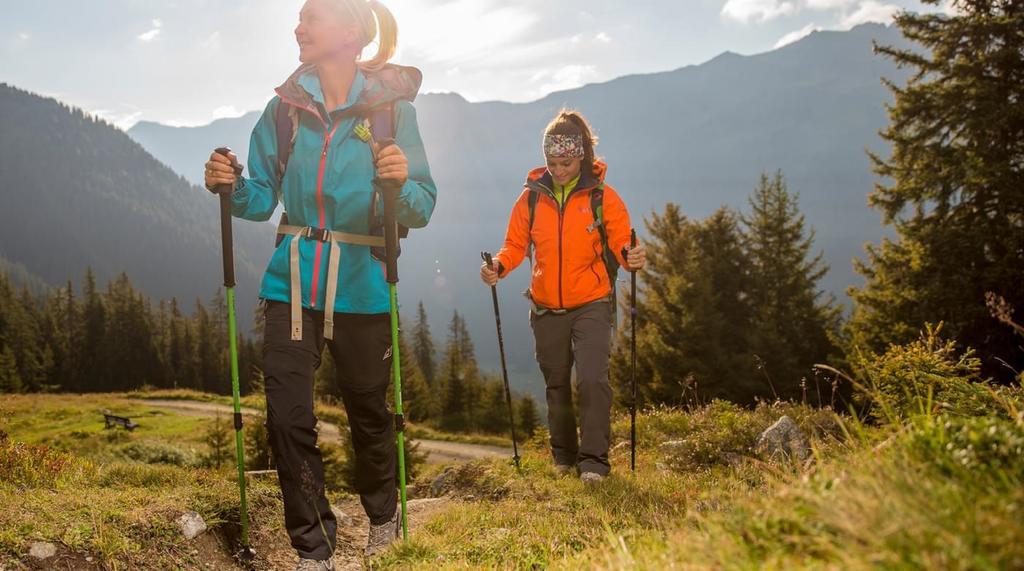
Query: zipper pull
[327, 143]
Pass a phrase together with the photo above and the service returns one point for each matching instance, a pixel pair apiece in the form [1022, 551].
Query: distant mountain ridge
[699, 136]
[80, 193]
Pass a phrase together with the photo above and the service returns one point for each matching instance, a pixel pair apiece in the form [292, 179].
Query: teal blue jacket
[327, 184]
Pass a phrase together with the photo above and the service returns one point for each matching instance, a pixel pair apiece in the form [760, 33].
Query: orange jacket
[568, 268]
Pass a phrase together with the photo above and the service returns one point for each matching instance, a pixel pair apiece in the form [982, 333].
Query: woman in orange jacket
[570, 218]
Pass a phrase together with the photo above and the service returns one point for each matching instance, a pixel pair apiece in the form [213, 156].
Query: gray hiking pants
[581, 336]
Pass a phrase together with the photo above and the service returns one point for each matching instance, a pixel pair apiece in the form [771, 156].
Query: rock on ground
[784, 439]
[42, 550]
[191, 524]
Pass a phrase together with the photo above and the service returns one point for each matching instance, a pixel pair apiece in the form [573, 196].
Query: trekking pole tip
[247, 554]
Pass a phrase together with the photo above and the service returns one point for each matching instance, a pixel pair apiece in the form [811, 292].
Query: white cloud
[226, 111]
[212, 41]
[797, 35]
[484, 27]
[949, 9]
[828, 4]
[560, 79]
[24, 36]
[123, 120]
[757, 10]
[153, 33]
[869, 11]
[603, 38]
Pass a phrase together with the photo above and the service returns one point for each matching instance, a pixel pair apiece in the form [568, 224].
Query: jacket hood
[540, 179]
[387, 85]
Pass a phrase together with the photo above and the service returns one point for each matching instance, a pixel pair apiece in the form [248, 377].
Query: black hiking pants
[361, 349]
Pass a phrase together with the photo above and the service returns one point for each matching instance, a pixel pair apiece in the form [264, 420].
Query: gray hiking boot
[315, 565]
[383, 535]
[591, 477]
[563, 469]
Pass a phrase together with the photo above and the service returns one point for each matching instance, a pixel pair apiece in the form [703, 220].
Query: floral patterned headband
[564, 146]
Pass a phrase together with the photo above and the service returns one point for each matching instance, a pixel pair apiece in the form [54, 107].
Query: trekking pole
[224, 191]
[632, 351]
[504, 371]
[389, 191]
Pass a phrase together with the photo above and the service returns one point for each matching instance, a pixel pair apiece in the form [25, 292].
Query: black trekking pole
[224, 191]
[632, 351]
[504, 371]
[389, 191]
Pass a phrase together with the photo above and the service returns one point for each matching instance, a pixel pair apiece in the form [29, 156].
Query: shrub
[926, 376]
[151, 452]
[36, 466]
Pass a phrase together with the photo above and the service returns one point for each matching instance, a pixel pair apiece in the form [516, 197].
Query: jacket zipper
[328, 134]
[561, 226]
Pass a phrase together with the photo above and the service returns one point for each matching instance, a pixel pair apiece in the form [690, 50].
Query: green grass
[926, 484]
[122, 514]
[423, 432]
[942, 492]
[177, 394]
[74, 423]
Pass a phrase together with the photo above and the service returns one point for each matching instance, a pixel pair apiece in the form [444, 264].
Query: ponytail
[386, 32]
[375, 22]
[569, 122]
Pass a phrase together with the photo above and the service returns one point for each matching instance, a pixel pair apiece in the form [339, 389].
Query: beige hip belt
[332, 239]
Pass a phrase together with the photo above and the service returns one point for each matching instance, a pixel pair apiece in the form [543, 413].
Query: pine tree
[218, 440]
[10, 380]
[94, 316]
[423, 347]
[455, 378]
[494, 419]
[954, 186]
[528, 416]
[792, 321]
[417, 399]
[693, 315]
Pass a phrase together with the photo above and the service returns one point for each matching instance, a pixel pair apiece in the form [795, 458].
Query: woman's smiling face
[322, 32]
[563, 170]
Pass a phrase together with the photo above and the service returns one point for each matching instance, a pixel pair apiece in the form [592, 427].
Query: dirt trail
[274, 551]
[437, 451]
[272, 546]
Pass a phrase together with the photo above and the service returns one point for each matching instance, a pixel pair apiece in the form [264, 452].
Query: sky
[188, 62]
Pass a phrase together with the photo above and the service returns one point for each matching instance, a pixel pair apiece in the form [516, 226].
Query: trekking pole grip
[389, 190]
[224, 192]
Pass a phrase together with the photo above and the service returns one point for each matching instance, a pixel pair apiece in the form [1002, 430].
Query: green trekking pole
[224, 191]
[389, 191]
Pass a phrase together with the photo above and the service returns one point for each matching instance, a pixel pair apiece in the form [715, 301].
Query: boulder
[191, 524]
[784, 439]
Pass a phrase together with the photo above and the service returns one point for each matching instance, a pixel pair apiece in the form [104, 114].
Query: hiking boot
[315, 565]
[383, 535]
[591, 478]
[563, 469]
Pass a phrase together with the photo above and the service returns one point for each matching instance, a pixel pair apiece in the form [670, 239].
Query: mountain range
[699, 136]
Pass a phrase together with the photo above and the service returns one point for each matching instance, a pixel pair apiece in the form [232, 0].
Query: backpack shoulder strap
[285, 127]
[531, 206]
[597, 207]
[611, 264]
[382, 122]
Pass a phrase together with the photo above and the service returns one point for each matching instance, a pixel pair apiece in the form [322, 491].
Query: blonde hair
[375, 21]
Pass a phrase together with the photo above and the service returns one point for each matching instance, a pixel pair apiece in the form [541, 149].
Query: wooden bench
[114, 420]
